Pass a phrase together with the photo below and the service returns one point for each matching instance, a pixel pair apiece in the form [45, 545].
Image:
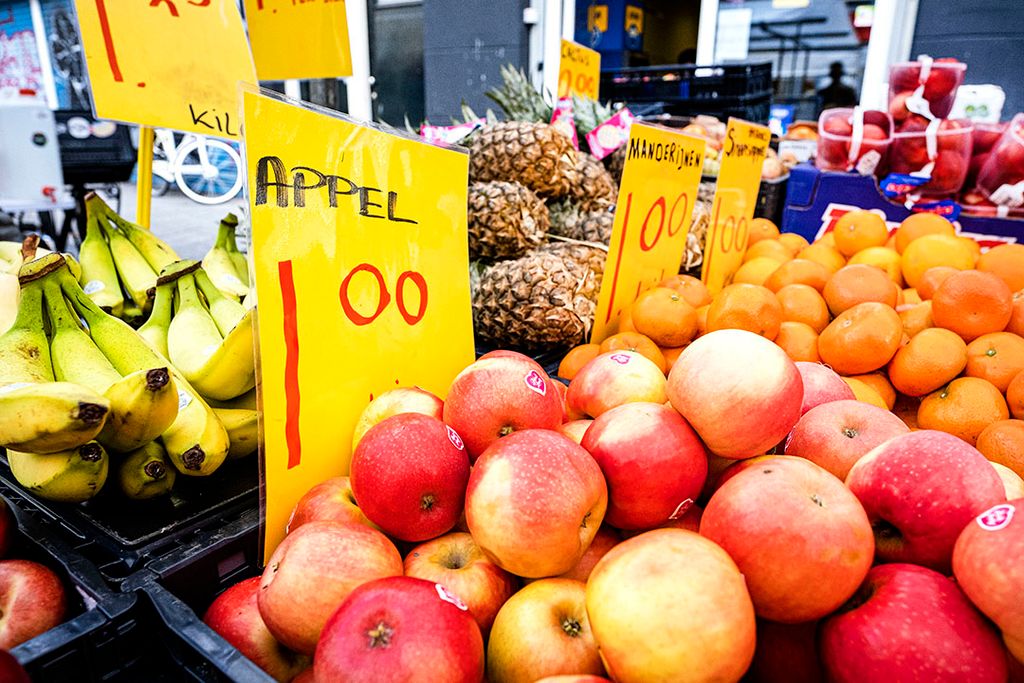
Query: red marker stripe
[108, 40]
[291, 363]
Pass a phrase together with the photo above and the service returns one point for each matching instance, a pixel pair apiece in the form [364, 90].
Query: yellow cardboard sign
[579, 72]
[361, 263]
[166, 63]
[299, 39]
[739, 178]
[652, 218]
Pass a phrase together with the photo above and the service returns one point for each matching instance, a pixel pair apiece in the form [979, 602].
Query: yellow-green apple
[313, 570]
[911, 624]
[498, 395]
[670, 605]
[739, 391]
[534, 502]
[786, 653]
[400, 629]
[396, 402]
[835, 435]
[10, 670]
[542, 631]
[455, 562]
[787, 523]
[987, 563]
[920, 490]
[1012, 483]
[613, 379]
[605, 539]
[32, 601]
[235, 616]
[329, 500]
[822, 384]
[409, 476]
[652, 460]
[575, 429]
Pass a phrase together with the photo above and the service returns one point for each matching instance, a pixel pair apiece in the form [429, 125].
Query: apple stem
[849, 432]
[380, 635]
[506, 430]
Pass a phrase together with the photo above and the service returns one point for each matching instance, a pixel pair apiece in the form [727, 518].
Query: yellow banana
[145, 473]
[226, 312]
[99, 276]
[49, 417]
[12, 255]
[74, 356]
[137, 276]
[237, 257]
[69, 476]
[246, 400]
[243, 430]
[221, 268]
[24, 350]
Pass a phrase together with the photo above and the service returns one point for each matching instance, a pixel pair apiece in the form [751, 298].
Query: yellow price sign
[304, 39]
[361, 263]
[652, 218]
[166, 63]
[739, 178]
[579, 72]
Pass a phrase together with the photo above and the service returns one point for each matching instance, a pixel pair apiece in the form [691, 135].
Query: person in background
[687, 56]
[837, 93]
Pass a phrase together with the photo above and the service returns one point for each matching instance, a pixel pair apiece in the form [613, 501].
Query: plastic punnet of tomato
[926, 83]
[939, 149]
[1001, 179]
[985, 137]
[853, 138]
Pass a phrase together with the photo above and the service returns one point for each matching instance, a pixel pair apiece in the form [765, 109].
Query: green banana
[246, 400]
[50, 416]
[243, 430]
[237, 257]
[99, 276]
[157, 253]
[24, 350]
[137, 276]
[154, 330]
[69, 476]
[73, 265]
[145, 474]
[221, 268]
[226, 312]
[74, 356]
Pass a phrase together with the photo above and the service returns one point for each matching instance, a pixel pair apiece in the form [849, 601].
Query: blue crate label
[946, 208]
[900, 184]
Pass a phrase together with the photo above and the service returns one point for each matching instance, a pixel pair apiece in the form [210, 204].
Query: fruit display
[926, 87]
[847, 136]
[1000, 176]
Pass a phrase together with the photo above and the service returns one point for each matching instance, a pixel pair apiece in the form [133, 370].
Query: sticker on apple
[455, 438]
[620, 358]
[997, 517]
[448, 596]
[536, 382]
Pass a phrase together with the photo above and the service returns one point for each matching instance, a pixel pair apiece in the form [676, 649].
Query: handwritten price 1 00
[569, 83]
[730, 234]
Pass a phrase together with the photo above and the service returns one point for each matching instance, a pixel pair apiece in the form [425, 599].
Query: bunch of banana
[225, 264]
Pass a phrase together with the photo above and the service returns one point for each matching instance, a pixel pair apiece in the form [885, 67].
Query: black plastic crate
[687, 82]
[771, 198]
[755, 109]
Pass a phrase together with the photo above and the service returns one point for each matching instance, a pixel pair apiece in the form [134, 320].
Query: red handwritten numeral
[291, 363]
[384, 296]
[108, 40]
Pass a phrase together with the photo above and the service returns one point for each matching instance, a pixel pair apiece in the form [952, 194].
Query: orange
[973, 247]
[794, 242]
[861, 339]
[693, 290]
[972, 303]
[878, 382]
[746, 307]
[910, 296]
[859, 229]
[891, 242]
[863, 392]
[803, 304]
[856, 284]
[921, 224]
[799, 341]
[756, 271]
[963, 408]
[671, 355]
[828, 239]
[1016, 324]
[761, 229]
[772, 249]
[823, 254]
[577, 358]
[663, 315]
[634, 341]
[934, 250]
[1003, 442]
[933, 358]
[997, 357]
[917, 318]
[799, 270]
[626, 320]
[931, 279]
[1006, 261]
[1015, 395]
[881, 257]
[702, 319]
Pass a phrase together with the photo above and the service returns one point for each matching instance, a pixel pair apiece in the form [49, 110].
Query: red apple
[12, 672]
[786, 653]
[541, 631]
[409, 476]
[455, 562]
[534, 502]
[331, 500]
[396, 402]
[313, 570]
[835, 435]
[821, 385]
[739, 391]
[32, 601]
[787, 523]
[235, 616]
[987, 565]
[613, 379]
[605, 539]
[920, 490]
[561, 390]
[910, 624]
[575, 429]
[670, 605]
[498, 395]
[400, 630]
[652, 461]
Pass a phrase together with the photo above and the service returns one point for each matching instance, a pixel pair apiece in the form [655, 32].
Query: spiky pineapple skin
[535, 155]
[505, 220]
[569, 219]
[595, 188]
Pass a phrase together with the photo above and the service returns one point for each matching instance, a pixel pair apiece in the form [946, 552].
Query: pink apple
[313, 569]
[739, 391]
[670, 605]
[821, 385]
[1012, 483]
[787, 523]
[786, 653]
[396, 402]
[541, 631]
[575, 429]
[235, 616]
[455, 562]
[400, 629]
[605, 539]
[613, 379]
[911, 624]
[835, 435]
[331, 500]
[10, 670]
[32, 601]
[534, 502]
[409, 476]
[920, 490]
[497, 395]
[652, 461]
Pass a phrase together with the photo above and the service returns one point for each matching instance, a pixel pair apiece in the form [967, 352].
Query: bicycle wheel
[217, 182]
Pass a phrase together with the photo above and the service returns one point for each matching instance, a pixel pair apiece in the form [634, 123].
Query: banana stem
[207, 287]
[57, 307]
[162, 306]
[79, 300]
[188, 295]
[30, 306]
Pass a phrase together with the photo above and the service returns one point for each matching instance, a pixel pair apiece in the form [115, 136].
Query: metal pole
[360, 102]
[144, 176]
[551, 26]
[569, 19]
[706, 31]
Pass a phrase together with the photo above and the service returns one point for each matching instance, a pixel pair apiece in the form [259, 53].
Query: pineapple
[519, 99]
[506, 220]
[532, 154]
[568, 219]
[596, 189]
[593, 258]
[614, 163]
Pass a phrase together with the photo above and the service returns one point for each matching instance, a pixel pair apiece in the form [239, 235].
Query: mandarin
[931, 279]
[577, 357]
[819, 252]
[856, 284]
[997, 357]
[803, 304]
[887, 259]
[799, 271]
[746, 307]
[756, 271]
[634, 341]
[921, 224]
[761, 229]
[1003, 442]
[933, 358]
[794, 242]
[858, 230]
[972, 303]
[772, 249]
[1006, 261]
[799, 341]
[663, 315]
[1016, 324]
[963, 408]
[931, 251]
[1015, 396]
[693, 290]
[861, 339]
[878, 382]
[865, 393]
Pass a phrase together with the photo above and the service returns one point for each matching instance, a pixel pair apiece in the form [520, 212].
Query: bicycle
[205, 170]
